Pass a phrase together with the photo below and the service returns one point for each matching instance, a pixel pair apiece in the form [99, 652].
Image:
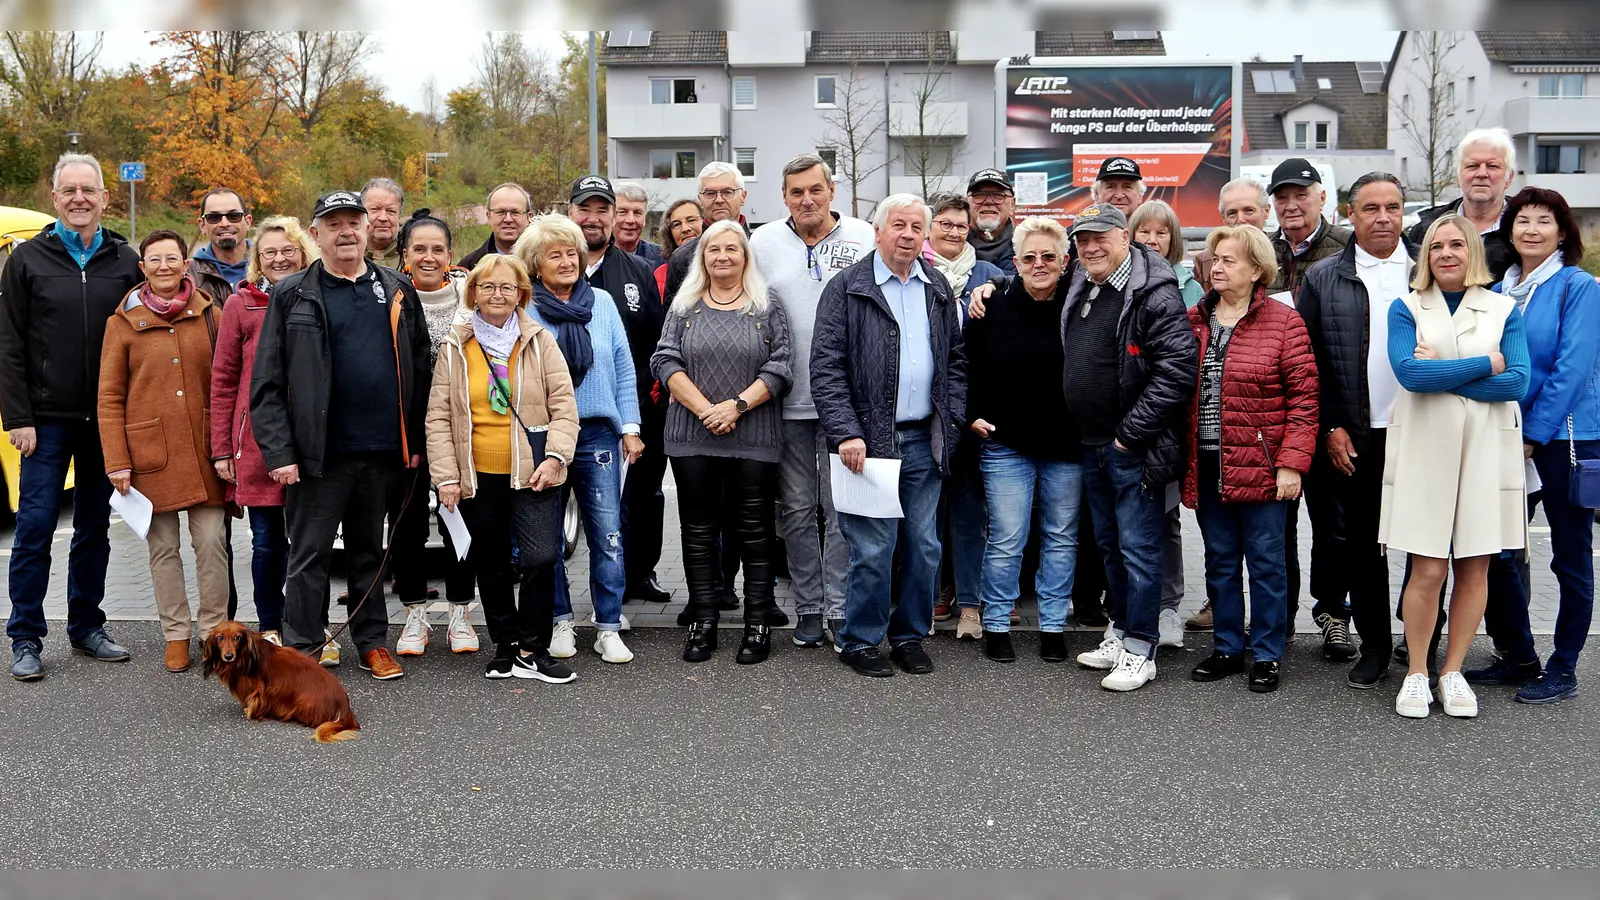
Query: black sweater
[1014, 366]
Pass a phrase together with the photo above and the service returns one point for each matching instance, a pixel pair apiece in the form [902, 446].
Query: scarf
[955, 270]
[570, 322]
[167, 309]
[1521, 289]
[439, 308]
[497, 342]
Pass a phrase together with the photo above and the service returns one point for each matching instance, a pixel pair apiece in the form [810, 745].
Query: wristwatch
[740, 405]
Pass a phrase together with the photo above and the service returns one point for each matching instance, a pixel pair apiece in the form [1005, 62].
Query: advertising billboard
[1176, 120]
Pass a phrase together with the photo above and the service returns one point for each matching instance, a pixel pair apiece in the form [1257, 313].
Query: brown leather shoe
[382, 664]
[177, 656]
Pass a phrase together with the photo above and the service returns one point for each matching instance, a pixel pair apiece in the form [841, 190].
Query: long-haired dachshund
[278, 683]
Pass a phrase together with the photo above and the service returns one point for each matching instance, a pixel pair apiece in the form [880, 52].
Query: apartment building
[1330, 112]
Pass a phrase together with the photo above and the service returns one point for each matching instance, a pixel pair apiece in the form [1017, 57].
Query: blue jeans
[269, 563]
[42, 479]
[595, 482]
[1128, 524]
[1253, 532]
[962, 522]
[868, 616]
[1013, 483]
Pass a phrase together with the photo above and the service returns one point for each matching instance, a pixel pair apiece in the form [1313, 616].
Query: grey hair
[527, 198]
[1165, 216]
[1260, 189]
[720, 168]
[1493, 138]
[384, 184]
[805, 162]
[1373, 178]
[893, 203]
[632, 192]
[698, 282]
[948, 200]
[74, 159]
[1095, 189]
[1039, 225]
[317, 222]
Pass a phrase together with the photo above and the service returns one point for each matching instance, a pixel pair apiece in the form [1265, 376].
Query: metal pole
[133, 219]
[424, 176]
[594, 113]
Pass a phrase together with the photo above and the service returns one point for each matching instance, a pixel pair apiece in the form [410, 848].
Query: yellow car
[16, 226]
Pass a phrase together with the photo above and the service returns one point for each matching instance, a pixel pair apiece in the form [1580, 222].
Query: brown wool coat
[155, 390]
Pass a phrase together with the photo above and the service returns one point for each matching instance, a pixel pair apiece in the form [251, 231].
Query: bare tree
[929, 150]
[854, 126]
[315, 65]
[1431, 121]
[510, 76]
[50, 73]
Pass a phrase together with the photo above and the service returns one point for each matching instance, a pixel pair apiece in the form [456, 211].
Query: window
[745, 159]
[1559, 159]
[1300, 129]
[1405, 104]
[1561, 85]
[1450, 97]
[829, 155]
[827, 94]
[672, 164]
[1272, 81]
[1324, 134]
[672, 90]
[744, 92]
[1324, 84]
[1472, 91]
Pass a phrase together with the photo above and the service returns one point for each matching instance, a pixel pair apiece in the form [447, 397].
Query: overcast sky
[1276, 29]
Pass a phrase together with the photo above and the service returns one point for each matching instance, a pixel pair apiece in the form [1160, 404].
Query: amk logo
[1041, 85]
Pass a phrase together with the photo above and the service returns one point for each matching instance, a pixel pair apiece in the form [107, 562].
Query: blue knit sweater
[607, 391]
[1471, 377]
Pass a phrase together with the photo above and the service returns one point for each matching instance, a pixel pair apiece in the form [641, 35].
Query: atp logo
[1041, 86]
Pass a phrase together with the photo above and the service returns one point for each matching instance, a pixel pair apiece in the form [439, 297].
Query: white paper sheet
[1532, 474]
[1284, 297]
[135, 509]
[875, 493]
[457, 528]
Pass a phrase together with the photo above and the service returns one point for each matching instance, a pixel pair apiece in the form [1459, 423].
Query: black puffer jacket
[855, 363]
[292, 381]
[1497, 249]
[1333, 301]
[1160, 363]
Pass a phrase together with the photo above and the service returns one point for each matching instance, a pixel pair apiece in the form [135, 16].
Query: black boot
[701, 642]
[757, 645]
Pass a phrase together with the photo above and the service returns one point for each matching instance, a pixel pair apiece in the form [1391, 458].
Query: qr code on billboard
[1032, 188]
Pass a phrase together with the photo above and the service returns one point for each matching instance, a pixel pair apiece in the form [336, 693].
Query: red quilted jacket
[1269, 401]
[231, 434]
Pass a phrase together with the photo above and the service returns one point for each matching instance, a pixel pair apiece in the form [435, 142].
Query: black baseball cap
[590, 186]
[1294, 171]
[1119, 167]
[1099, 217]
[988, 176]
[337, 200]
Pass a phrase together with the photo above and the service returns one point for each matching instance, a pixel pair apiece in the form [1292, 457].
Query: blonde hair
[1255, 244]
[1165, 217]
[698, 282]
[1478, 274]
[486, 267]
[545, 233]
[1039, 225]
[290, 228]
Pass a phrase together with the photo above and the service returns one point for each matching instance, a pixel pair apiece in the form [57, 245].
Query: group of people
[1052, 397]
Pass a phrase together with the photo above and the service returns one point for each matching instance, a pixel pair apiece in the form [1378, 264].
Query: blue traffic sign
[132, 171]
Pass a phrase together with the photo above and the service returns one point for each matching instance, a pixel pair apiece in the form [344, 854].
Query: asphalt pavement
[793, 763]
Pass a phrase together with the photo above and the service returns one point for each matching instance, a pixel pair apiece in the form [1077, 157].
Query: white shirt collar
[1397, 257]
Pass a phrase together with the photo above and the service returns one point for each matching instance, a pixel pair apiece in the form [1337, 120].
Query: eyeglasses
[498, 290]
[285, 253]
[77, 191]
[813, 264]
[952, 227]
[724, 194]
[1048, 259]
[234, 216]
[156, 262]
[506, 213]
[989, 197]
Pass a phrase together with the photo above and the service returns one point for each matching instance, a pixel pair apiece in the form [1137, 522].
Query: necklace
[721, 303]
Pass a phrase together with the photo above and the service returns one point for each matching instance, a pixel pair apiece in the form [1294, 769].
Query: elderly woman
[683, 223]
[1452, 472]
[280, 249]
[1030, 451]
[1155, 225]
[502, 429]
[724, 355]
[425, 256]
[1252, 435]
[1560, 306]
[155, 386]
[589, 331]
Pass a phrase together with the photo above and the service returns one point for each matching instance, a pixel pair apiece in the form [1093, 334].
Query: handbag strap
[1572, 443]
[510, 400]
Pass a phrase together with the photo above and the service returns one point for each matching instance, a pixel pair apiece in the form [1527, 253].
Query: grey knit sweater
[723, 352]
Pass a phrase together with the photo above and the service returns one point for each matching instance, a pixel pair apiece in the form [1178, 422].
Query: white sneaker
[611, 648]
[1132, 672]
[1415, 697]
[1170, 629]
[272, 637]
[1104, 656]
[463, 637]
[624, 624]
[1457, 697]
[414, 637]
[329, 658]
[563, 640]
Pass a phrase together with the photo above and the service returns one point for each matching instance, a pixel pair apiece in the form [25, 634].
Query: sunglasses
[235, 216]
[1046, 258]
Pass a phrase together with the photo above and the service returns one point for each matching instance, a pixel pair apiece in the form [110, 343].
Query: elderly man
[1345, 302]
[51, 329]
[799, 258]
[1304, 236]
[1486, 162]
[1119, 184]
[994, 205]
[633, 209]
[1242, 201]
[337, 400]
[218, 265]
[888, 377]
[383, 199]
[631, 283]
[1131, 367]
[510, 209]
[722, 196]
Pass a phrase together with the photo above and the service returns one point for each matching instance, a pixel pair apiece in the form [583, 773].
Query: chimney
[1299, 68]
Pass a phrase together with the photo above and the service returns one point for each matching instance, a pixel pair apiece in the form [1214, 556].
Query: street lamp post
[427, 158]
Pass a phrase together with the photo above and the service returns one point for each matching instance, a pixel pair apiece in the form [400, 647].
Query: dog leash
[383, 564]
